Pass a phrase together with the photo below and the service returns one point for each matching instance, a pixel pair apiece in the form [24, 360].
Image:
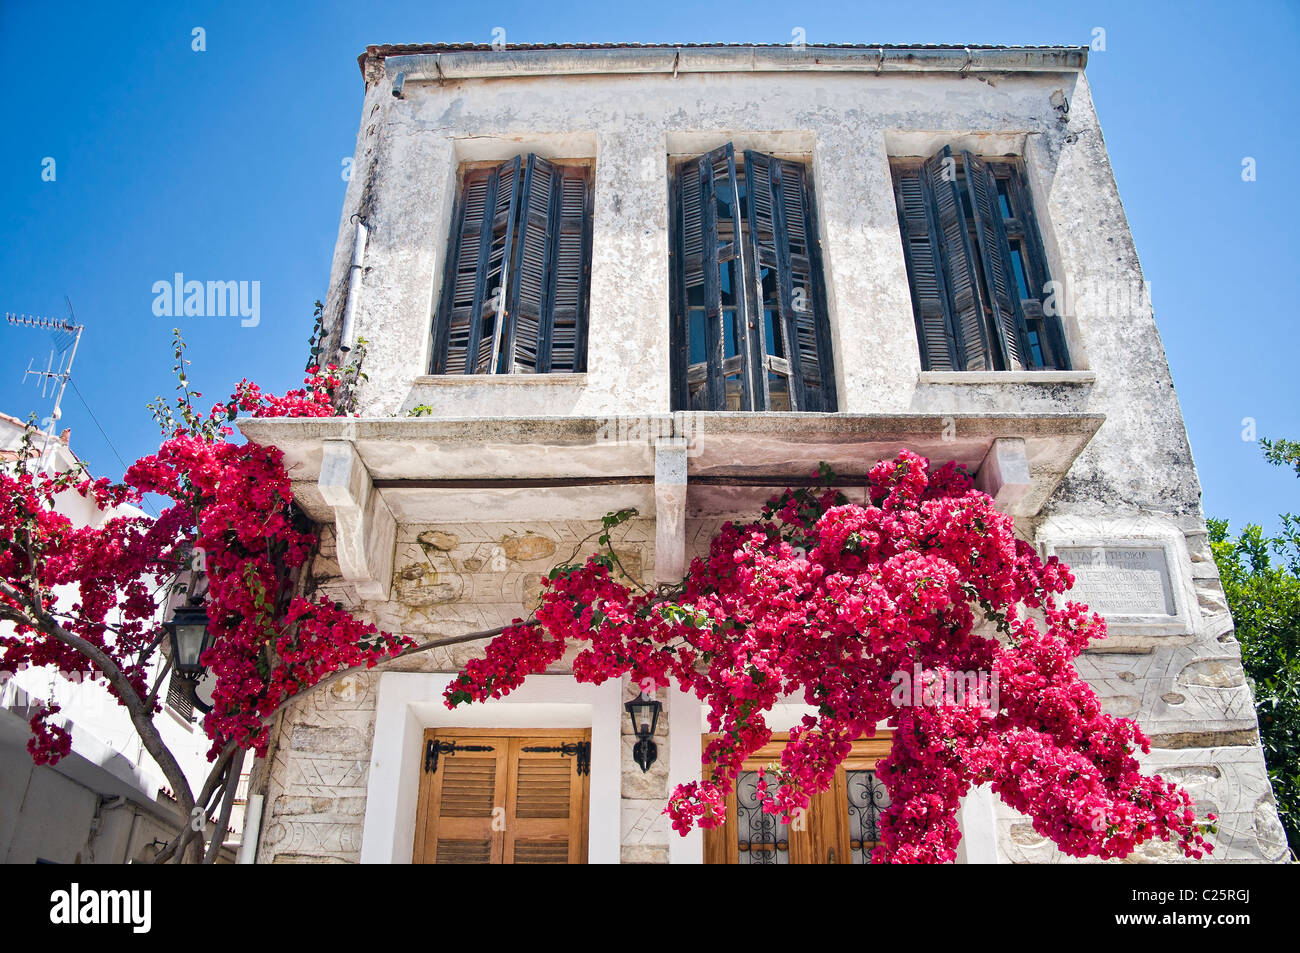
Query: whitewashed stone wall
[449, 579]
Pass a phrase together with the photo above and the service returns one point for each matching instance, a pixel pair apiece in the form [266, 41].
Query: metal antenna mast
[50, 376]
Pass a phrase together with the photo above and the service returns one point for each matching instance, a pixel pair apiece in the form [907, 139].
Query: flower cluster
[825, 600]
[231, 501]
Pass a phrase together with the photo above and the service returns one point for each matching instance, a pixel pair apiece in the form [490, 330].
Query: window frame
[753, 361]
[506, 323]
[1038, 335]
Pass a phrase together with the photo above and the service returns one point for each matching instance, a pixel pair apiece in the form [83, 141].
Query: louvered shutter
[547, 302]
[710, 241]
[468, 330]
[462, 787]
[547, 803]
[528, 304]
[783, 264]
[515, 798]
[930, 300]
[570, 272]
[180, 697]
[1012, 337]
[1026, 224]
[960, 275]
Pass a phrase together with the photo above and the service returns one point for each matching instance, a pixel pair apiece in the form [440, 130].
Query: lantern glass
[189, 632]
[645, 716]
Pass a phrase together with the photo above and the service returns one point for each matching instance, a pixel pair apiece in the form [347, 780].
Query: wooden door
[503, 797]
[841, 825]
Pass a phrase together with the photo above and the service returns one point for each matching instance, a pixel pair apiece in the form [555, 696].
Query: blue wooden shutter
[468, 327]
[712, 288]
[1023, 226]
[959, 271]
[547, 307]
[931, 306]
[789, 331]
[528, 308]
[1011, 337]
[564, 344]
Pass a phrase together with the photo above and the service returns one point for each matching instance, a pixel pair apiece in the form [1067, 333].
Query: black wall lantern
[644, 712]
[190, 638]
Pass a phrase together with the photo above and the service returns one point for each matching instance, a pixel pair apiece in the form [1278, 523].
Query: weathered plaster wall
[850, 124]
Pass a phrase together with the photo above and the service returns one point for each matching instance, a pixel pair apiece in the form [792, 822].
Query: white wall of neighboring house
[106, 802]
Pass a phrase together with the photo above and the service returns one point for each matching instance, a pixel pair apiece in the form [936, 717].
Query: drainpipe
[354, 285]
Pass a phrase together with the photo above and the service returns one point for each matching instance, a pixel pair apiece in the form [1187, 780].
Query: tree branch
[141, 717]
[413, 650]
[187, 832]
[227, 803]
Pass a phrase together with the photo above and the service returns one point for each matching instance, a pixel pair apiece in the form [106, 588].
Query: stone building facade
[917, 188]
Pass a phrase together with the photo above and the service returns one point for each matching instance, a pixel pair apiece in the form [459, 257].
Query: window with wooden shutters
[504, 797]
[840, 826]
[515, 286]
[180, 696]
[976, 265]
[749, 320]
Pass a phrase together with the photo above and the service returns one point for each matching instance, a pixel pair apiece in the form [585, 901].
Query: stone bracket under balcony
[365, 476]
[365, 530]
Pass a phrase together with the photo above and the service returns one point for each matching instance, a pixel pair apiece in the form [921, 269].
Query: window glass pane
[734, 392]
[779, 391]
[695, 335]
[729, 334]
[1018, 265]
[965, 197]
[1004, 200]
[727, 282]
[1035, 347]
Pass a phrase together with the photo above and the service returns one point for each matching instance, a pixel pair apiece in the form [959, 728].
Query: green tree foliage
[1261, 577]
[1282, 453]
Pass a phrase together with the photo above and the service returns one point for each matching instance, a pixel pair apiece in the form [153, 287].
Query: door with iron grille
[840, 826]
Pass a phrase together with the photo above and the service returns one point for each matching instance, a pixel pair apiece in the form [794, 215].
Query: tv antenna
[58, 366]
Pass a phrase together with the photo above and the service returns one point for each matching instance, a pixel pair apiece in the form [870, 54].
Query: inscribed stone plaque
[1121, 580]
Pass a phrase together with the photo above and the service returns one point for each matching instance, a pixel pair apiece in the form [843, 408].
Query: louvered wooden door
[509, 797]
[841, 825]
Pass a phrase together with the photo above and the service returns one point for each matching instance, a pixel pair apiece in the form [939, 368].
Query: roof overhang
[441, 63]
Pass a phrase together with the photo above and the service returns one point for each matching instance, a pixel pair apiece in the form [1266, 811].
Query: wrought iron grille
[763, 839]
[867, 797]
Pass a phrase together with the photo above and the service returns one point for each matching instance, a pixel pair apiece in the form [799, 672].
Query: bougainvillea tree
[831, 602]
[232, 503]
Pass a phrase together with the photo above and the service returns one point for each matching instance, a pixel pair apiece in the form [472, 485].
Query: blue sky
[226, 164]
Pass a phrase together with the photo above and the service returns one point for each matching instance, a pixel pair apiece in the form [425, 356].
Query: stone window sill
[501, 380]
[1008, 377]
